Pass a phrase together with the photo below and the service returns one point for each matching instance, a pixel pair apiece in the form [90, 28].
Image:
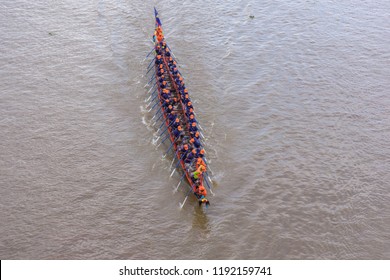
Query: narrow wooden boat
[171, 100]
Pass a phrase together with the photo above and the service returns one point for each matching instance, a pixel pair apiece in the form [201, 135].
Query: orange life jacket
[202, 191]
[200, 162]
[160, 37]
[201, 169]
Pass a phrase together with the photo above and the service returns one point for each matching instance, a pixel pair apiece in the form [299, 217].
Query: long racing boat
[179, 127]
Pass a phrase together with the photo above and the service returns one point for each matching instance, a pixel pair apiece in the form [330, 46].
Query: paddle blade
[182, 204]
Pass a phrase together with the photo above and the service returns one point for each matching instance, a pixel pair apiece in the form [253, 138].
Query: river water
[295, 106]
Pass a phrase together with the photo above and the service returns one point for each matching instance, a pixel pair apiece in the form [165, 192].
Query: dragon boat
[170, 98]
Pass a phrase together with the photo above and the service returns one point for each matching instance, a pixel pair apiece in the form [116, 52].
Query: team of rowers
[180, 114]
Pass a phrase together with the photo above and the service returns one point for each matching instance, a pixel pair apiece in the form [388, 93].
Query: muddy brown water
[293, 97]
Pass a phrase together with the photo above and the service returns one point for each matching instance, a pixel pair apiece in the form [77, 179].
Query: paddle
[158, 118]
[182, 177]
[151, 95]
[153, 106]
[150, 64]
[150, 81]
[209, 186]
[165, 129]
[182, 204]
[152, 101]
[166, 137]
[176, 166]
[170, 147]
[149, 54]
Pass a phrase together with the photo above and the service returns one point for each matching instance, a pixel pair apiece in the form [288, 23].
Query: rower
[171, 63]
[179, 80]
[158, 50]
[201, 191]
[184, 150]
[159, 29]
[193, 129]
[190, 156]
[198, 172]
[186, 98]
[192, 140]
[199, 162]
[200, 153]
[178, 132]
[189, 111]
[195, 141]
[165, 94]
[172, 116]
[173, 103]
[161, 72]
[159, 34]
[176, 123]
[166, 103]
[161, 79]
[163, 84]
[159, 60]
[189, 105]
[182, 87]
[192, 119]
[169, 109]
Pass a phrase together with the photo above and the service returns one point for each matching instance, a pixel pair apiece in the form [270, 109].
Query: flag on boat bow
[158, 22]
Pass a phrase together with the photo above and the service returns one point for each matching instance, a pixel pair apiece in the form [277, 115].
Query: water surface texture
[295, 106]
